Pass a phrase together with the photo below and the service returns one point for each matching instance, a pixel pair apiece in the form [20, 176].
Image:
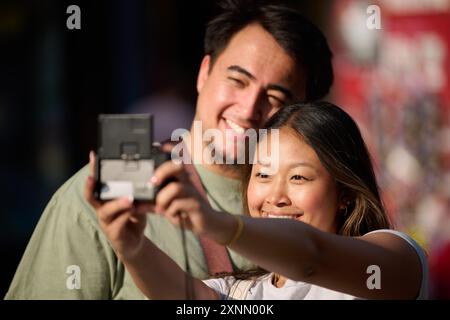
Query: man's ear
[203, 73]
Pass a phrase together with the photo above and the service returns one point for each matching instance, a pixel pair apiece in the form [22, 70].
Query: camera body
[127, 157]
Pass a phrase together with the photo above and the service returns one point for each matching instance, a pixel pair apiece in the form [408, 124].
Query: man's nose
[252, 106]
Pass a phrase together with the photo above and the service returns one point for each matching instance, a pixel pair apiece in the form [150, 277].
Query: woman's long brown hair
[338, 143]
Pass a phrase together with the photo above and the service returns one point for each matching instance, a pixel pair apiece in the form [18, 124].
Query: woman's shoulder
[230, 287]
[221, 285]
[389, 235]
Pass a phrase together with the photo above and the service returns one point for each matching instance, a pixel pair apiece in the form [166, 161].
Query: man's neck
[227, 170]
[196, 143]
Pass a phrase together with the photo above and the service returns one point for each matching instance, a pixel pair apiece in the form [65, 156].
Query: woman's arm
[301, 252]
[155, 273]
[159, 277]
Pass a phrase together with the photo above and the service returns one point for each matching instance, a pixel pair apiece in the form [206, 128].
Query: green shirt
[69, 243]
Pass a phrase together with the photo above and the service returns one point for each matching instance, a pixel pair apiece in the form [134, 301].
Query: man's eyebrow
[241, 70]
[285, 91]
[276, 87]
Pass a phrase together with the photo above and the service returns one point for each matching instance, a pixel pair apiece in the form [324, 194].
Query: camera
[127, 157]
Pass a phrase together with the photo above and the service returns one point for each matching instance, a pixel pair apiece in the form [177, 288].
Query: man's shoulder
[66, 235]
[75, 183]
[69, 198]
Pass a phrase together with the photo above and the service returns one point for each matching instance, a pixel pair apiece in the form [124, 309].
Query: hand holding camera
[122, 220]
[181, 203]
[127, 157]
[130, 178]
[119, 186]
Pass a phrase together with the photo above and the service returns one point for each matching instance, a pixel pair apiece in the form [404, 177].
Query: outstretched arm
[155, 273]
[159, 277]
[301, 252]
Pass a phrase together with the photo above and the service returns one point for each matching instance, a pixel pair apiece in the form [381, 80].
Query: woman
[332, 241]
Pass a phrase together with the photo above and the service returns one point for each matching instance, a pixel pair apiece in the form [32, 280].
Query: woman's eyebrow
[264, 163]
[303, 164]
[267, 163]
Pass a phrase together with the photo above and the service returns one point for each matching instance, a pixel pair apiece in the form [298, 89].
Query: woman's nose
[279, 197]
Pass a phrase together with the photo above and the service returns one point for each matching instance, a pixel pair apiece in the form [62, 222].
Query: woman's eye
[262, 175]
[298, 177]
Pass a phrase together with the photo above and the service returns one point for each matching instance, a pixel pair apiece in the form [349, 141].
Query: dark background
[54, 82]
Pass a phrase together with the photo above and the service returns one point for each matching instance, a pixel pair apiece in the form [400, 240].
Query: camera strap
[216, 255]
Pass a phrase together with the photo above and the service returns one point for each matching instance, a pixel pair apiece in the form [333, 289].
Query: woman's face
[301, 188]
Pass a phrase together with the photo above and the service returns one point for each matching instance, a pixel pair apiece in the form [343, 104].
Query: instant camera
[126, 157]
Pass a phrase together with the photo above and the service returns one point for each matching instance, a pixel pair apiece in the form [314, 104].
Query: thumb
[91, 163]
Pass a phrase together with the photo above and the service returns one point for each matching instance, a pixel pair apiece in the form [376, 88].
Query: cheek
[270, 112]
[308, 200]
[319, 205]
[214, 99]
[256, 194]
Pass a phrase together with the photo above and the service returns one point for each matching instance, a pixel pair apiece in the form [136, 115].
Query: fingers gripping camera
[127, 157]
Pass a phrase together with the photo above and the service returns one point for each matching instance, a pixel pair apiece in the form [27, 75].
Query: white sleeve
[220, 285]
[423, 294]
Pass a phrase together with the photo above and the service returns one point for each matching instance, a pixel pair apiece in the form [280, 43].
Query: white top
[263, 289]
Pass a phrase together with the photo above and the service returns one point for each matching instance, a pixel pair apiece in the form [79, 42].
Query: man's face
[249, 81]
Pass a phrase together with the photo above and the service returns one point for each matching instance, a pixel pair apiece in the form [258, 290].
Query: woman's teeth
[236, 128]
[291, 216]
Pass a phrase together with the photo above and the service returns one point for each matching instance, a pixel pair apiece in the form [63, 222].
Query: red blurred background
[396, 82]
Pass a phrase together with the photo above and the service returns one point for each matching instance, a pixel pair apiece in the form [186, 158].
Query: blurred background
[143, 56]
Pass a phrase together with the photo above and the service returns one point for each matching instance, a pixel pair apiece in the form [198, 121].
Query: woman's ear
[345, 200]
[203, 73]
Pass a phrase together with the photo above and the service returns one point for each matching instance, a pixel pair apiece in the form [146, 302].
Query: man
[257, 58]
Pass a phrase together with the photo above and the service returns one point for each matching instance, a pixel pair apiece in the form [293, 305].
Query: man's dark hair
[301, 39]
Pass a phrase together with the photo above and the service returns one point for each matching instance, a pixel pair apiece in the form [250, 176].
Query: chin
[231, 152]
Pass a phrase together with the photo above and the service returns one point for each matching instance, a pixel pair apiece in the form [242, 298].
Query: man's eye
[276, 102]
[237, 82]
